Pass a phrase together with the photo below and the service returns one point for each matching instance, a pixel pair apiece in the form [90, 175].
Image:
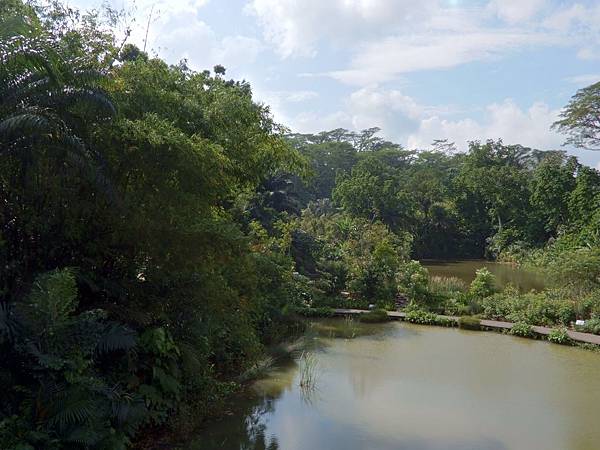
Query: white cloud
[296, 27]
[506, 120]
[404, 120]
[515, 11]
[581, 24]
[180, 34]
[386, 59]
[585, 79]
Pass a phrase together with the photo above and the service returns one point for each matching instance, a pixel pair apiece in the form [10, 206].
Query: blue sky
[419, 70]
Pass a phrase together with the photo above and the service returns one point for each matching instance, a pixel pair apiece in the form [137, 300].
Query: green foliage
[522, 329]
[560, 336]
[374, 316]
[446, 285]
[469, 323]
[413, 280]
[544, 308]
[578, 120]
[591, 326]
[60, 394]
[421, 317]
[483, 285]
[314, 312]
[354, 255]
[198, 232]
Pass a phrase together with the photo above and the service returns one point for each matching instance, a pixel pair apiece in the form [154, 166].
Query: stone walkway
[575, 335]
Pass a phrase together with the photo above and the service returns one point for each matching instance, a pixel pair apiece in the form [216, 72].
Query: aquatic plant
[309, 369]
[349, 330]
[522, 329]
[560, 336]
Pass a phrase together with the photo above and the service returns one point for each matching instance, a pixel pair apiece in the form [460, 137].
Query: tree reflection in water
[245, 429]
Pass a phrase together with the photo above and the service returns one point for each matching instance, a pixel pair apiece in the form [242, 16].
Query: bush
[522, 329]
[560, 336]
[484, 283]
[427, 318]
[314, 312]
[469, 323]
[375, 316]
[462, 304]
[413, 280]
[591, 326]
[542, 308]
[589, 306]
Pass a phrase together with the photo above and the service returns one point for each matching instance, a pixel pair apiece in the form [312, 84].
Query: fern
[116, 337]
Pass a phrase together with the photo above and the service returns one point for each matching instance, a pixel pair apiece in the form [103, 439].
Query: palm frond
[27, 123]
[116, 337]
[72, 407]
[90, 98]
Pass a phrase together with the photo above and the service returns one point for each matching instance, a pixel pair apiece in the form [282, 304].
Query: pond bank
[576, 336]
[384, 388]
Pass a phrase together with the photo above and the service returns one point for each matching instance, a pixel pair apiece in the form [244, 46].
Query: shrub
[314, 312]
[591, 326]
[413, 280]
[559, 336]
[469, 323]
[522, 329]
[589, 306]
[375, 316]
[427, 318]
[542, 308]
[484, 283]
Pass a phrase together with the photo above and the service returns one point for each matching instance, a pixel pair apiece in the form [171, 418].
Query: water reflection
[400, 386]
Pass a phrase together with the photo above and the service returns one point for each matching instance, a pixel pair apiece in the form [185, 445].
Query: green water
[504, 273]
[403, 386]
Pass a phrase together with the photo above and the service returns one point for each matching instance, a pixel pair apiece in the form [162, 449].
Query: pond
[523, 279]
[402, 386]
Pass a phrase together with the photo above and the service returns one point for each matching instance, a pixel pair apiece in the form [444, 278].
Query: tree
[551, 184]
[580, 119]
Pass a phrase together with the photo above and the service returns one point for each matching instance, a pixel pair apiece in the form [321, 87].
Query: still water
[504, 273]
[402, 386]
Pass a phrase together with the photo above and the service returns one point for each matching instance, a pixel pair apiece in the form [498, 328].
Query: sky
[418, 69]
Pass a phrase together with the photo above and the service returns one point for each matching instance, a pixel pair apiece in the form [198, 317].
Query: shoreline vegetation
[573, 337]
[159, 231]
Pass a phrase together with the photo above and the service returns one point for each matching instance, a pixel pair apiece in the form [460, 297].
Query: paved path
[575, 335]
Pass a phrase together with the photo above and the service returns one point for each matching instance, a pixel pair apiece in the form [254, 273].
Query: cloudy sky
[419, 70]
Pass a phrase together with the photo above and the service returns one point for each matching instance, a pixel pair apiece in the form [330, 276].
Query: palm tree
[46, 100]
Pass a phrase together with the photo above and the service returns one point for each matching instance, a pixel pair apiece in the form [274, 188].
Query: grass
[309, 368]
[446, 285]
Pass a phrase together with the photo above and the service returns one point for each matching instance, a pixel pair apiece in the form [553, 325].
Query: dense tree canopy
[158, 229]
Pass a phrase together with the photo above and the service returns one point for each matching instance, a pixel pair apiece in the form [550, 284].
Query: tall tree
[580, 119]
